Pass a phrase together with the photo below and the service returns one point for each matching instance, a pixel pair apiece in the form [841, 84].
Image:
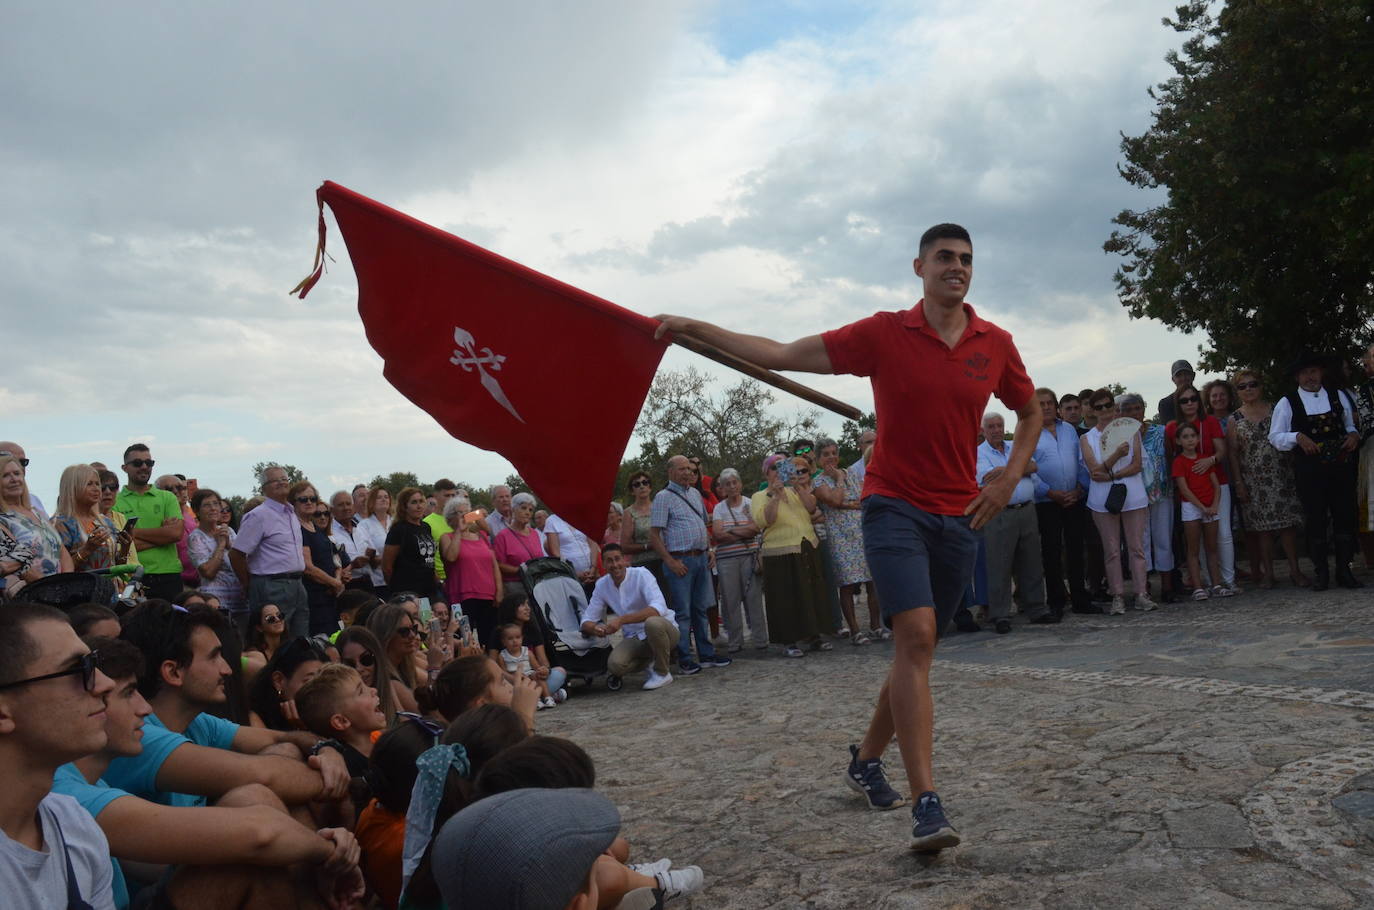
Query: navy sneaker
[688, 667]
[930, 830]
[719, 660]
[867, 777]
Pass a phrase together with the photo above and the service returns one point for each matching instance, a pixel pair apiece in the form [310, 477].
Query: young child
[338, 705]
[1201, 494]
[515, 657]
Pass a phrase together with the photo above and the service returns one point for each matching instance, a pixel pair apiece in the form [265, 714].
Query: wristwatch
[327, 744]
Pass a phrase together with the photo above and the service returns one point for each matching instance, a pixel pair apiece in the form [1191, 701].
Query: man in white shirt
[52, 711]
[866, 439]
[1319, 428]
[1012, 536]
[499, 519]
[648, 627]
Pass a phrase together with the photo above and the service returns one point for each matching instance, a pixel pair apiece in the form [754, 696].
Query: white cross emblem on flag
[467, 357]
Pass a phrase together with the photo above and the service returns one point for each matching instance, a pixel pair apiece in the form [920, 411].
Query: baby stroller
[558, 604]
[67, 589]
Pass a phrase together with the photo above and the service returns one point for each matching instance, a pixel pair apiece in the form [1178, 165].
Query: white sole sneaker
[657, 682]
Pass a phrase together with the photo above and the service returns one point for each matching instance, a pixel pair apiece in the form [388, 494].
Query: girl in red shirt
[1200, 496]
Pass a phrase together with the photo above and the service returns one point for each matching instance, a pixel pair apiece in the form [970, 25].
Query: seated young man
[183, 675]
[215, 846]
[52, 710]
[336, 704]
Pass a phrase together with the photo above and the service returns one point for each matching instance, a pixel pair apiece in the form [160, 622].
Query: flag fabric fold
[503, 357]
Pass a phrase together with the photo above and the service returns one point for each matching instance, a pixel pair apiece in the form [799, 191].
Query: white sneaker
[655, 681]
[560, 696]
[1118, 607]
[651, 869]
[546, 701]
[681, 881]
[1143, 603]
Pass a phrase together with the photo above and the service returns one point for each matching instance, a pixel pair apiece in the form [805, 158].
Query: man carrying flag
[933, 368]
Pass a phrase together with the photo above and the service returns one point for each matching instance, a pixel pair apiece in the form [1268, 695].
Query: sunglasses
[406, 631]
[1247, 385]
[85, 665]
[272, 620]
[639, 483]
[307, 500]
[1103, 406]
[23, 462]
[365, 659]
[1192, 399]
[109, 487]
[140, 462]
[802, 450]
[322, 514]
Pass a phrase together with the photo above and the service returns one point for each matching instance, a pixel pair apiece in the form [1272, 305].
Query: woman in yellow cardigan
[793, 583]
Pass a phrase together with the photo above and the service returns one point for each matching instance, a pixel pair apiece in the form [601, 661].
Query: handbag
[1116, 498]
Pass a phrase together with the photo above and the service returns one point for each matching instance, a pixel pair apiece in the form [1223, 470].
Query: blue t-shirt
[206, 730]
[93, 797]
[137, 774]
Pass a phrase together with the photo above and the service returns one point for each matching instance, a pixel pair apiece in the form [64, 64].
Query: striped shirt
[731, 518]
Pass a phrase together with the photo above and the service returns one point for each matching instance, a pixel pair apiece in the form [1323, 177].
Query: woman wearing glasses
[634, 528]
[1123, 465]
[360, 649]
[208, 546]
[323, 577]
[266, 629]
[1262, 480]
[89, 537]
[1212, 451]
[399, 635]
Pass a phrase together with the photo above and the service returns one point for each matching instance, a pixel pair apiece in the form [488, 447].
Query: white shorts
[1193, 513]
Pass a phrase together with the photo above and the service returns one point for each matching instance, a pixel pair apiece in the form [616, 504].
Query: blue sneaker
[930, 830]
[867, 777]
[718, 660]
[688, 667]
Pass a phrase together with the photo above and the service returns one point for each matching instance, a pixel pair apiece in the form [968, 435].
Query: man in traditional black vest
[1317, 425]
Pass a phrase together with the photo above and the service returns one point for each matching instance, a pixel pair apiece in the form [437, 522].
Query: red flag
[503, 357]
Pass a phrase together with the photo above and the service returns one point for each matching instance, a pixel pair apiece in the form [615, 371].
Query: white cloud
[159, 177]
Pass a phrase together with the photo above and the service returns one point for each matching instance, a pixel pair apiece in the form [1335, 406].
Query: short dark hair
[202, 494]
[461, 682]
[391, 767]
[118, 659]
[1186, 425]
[83, 616]
[539, 761]
[1070, 397]
[136, 447]
[163, 632]
[443, 483]
[18, 649]
[1100, 394]
[941, 232]
[608, 548]
[510, 602]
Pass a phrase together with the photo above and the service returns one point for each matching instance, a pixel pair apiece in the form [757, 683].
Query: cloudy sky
[768, 165]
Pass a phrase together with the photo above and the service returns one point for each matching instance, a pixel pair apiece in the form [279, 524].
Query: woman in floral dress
[838, 493]
[1263, 479]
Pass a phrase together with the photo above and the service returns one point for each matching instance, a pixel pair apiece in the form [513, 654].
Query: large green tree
[736, 428]
[1262, 148]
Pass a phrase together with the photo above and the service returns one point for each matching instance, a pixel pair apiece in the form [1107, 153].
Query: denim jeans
[691, 596]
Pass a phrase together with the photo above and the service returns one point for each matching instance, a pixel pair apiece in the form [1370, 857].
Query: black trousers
[1061, 549]
[1327, 492]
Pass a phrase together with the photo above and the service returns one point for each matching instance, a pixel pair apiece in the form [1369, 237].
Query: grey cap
[523, 849]
[1181, 366]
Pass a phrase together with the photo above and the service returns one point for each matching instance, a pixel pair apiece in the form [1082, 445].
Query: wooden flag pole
[711, 352]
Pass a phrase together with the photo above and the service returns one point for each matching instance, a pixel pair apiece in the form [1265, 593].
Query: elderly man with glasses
[269, 556]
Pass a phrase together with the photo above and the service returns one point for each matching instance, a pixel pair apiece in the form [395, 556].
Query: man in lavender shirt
[268, 553]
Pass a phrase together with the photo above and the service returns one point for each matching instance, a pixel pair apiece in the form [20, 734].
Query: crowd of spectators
[335, 700]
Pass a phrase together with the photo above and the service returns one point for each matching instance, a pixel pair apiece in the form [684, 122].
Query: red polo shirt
[930, 401]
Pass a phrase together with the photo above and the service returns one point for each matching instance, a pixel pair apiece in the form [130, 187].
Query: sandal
[1223, 591]
[1200, 594]
[859, 639]
[821, 644]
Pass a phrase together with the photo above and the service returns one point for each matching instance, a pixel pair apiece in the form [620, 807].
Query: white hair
[454, 508]
[728, 474]
[996, 414]
[619, 509]
[522, 499]
[499, 486]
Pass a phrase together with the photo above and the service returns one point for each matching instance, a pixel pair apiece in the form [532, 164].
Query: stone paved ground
[1184, 758]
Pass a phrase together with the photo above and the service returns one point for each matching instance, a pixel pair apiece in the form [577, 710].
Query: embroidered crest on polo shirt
[976, 367]
[467, 357]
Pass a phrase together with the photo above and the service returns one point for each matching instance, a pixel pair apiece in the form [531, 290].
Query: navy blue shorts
[917, 559]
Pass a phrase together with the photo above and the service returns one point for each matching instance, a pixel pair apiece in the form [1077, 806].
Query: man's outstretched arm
[807, 355]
